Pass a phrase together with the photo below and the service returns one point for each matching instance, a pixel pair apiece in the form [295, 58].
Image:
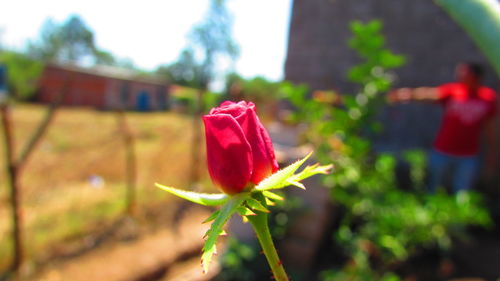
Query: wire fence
[73, 187]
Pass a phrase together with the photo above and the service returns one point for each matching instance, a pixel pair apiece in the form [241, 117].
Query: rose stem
[259, 223]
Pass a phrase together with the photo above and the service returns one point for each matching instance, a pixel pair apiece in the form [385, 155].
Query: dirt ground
[164, 254]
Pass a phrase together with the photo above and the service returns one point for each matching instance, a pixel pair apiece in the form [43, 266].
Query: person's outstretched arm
[430, 94]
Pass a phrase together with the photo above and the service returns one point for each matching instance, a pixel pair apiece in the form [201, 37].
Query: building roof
[113, 72]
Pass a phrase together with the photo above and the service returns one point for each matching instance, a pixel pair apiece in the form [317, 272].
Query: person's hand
[399, 95]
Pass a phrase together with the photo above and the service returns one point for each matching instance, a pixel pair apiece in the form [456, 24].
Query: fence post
[14, 168]
[14, 190]
[194, 177]
[130, 163]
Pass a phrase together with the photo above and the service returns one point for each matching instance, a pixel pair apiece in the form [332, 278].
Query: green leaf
[198, 198]
[216, 229]
[279, 179]
[256, 205]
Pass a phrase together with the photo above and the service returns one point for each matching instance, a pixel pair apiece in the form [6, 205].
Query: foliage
[184, 72]
[481, 20]
[210, 42]
[381, 222]
[22, 72]
[106, 58]
[284, 214]
[241, 261]
[187, 99]
[70, 41]
[257, 89]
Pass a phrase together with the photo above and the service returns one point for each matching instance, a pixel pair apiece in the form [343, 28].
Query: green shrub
[22, 74]
[382, 225]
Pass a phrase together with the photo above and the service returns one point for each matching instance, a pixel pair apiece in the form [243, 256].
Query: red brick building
[102, 87]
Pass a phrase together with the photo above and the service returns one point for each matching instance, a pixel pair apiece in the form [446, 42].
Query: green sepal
[269, 202]
[244, 219]
[256, 205]
[310, 171]
[216, 229]
[198, 198]
[286, 176]
[296, 183]
[244, 211]
[279, 179]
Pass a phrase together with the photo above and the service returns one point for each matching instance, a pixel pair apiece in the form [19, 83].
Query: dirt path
[147, 258]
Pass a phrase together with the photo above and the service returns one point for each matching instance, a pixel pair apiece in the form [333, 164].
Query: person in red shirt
[469, 109]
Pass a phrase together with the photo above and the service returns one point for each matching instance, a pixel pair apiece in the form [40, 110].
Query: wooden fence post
[130, 163]
[15, 166]
[14, 190]
[194, 177]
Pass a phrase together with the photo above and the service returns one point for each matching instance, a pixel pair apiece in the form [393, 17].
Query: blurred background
[100, 101]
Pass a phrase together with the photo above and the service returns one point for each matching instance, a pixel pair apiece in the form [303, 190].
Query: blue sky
[152, 32]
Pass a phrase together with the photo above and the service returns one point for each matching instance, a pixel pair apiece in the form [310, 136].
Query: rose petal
[262, 151]
[229, 154]
[269, 148]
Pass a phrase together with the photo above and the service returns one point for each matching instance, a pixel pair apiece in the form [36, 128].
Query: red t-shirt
[464, 116]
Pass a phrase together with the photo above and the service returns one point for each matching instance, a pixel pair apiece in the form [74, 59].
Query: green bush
[22, 74]
[382, 225]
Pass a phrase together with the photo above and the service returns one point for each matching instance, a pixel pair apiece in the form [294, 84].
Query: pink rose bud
[239, 149]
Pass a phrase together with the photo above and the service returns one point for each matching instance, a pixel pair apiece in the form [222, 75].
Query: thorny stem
[261, 228]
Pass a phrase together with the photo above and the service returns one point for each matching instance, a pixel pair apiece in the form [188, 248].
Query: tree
[209, 42]
[104, 58]
[23, 73]
[48, 44]
[71, 41]
[185, 71]
[212, 39]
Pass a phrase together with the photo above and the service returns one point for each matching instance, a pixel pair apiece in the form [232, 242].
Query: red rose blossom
[239, 149]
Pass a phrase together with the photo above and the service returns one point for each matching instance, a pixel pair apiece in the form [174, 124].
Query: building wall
[82, 89]
[432, 43]
[86, 89]
[125, 94]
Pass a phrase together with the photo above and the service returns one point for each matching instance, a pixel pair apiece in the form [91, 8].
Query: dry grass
[58, 198]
